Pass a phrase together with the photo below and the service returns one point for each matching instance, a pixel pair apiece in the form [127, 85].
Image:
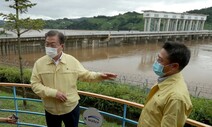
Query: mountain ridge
[126, 21]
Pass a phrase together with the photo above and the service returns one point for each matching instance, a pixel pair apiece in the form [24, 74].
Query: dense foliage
[12, 74]
[127, 21]
[206, 11]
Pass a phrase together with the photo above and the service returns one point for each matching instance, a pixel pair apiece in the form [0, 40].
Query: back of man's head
[178, 53]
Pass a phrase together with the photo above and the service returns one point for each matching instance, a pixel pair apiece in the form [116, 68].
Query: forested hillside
[127, 21]
[206, 11]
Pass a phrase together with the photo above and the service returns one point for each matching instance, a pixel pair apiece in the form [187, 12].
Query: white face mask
[51, 52]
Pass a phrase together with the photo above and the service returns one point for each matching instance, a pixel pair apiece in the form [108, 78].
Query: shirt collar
[63, 58]
[56, 62]
[161, 79]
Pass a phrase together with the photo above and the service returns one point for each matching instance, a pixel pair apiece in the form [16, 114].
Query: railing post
[124, 115]
[15, 102]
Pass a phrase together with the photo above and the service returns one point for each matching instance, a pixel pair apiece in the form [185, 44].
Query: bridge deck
[76, 34]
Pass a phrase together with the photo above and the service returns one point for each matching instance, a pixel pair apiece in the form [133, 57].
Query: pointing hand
[108, 76]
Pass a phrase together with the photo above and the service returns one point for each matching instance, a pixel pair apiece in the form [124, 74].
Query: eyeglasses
[53, 45]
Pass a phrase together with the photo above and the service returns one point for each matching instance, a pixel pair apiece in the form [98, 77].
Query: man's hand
[12, 119]
[61, 96]
[108, 76]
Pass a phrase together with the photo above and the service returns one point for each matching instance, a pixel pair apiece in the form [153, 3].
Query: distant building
[170, 21]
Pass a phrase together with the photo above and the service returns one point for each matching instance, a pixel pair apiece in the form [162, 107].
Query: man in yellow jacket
[54, 78]
[168, 103]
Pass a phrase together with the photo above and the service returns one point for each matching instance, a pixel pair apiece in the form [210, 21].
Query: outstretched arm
[3, 119]
[89, 76]
[9, 119]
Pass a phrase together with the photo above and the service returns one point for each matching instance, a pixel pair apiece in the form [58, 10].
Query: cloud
[54, 9]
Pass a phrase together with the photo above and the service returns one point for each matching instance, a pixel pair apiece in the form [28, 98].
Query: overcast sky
[54, 9]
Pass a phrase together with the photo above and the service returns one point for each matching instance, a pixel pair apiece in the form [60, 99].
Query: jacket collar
[62, 59]
[170, 80]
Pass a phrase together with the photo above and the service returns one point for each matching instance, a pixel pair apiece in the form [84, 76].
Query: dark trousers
[70, 119]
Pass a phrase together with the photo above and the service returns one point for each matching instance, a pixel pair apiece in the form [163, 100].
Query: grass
[33, 107]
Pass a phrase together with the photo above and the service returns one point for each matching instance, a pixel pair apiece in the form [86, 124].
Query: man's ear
[176, 66]
[62, 45]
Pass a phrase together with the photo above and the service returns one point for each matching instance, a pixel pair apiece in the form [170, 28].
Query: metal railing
[89, 94]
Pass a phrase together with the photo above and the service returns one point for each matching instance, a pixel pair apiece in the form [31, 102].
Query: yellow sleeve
[88, 76]
[37, 86]
[174, 114]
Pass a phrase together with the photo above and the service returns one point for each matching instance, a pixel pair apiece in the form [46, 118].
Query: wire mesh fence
[196, 89]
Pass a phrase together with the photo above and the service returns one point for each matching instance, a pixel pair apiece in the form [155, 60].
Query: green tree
[18, 25]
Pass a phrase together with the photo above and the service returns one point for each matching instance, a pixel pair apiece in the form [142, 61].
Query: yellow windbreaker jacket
[168, 104]
[47, 78]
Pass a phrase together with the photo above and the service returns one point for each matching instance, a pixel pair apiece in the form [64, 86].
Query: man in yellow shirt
[54, 78]
[168, 103]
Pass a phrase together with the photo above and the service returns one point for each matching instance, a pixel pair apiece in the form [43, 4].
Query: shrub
[12, 74]
[114, 89]
[202, 110]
